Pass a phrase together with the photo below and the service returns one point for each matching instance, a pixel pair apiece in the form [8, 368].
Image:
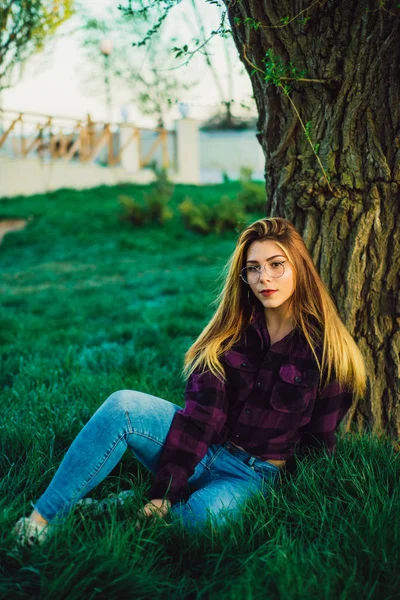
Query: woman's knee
[139, 404]
[122, 402]
[123, 398]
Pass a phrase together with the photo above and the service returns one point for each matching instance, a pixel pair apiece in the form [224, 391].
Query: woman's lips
[268, 293]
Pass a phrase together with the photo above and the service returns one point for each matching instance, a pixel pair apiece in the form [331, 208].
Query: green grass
[90, 305]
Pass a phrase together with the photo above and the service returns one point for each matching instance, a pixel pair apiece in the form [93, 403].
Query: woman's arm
[331, 406]
[190, 435]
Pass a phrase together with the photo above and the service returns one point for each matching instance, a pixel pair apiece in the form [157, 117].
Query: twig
[308, 137]
[295, 111]
[304, 79]
[282, 78]
[292, 19]
[193, 52]
[283, 24]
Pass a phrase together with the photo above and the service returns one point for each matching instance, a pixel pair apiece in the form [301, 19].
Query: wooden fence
[66, 139]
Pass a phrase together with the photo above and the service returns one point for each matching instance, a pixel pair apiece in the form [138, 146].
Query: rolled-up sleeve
[331, 406]
[190, 435]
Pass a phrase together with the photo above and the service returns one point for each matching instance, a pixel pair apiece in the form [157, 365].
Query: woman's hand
[155, 509]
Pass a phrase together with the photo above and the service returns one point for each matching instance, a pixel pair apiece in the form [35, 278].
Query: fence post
[187, 132]
[129, 147]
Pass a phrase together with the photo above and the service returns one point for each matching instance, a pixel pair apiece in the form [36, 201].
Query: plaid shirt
[269, 405]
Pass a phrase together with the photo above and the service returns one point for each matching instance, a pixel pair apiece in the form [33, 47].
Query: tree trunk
[351, 227]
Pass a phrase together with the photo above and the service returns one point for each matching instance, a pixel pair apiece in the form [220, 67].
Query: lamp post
[106, 47]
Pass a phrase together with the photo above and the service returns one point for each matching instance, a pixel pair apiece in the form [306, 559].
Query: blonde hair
[313, 312]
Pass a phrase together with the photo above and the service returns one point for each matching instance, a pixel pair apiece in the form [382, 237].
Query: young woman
[271, 376]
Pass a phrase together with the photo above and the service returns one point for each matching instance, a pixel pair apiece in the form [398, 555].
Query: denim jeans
[222, 481]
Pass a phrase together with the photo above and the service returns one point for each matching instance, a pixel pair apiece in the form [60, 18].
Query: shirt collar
[258, 322]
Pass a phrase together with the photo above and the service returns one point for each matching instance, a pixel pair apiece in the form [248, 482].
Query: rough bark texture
[352, 231]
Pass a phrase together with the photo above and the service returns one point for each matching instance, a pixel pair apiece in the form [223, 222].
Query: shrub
[154, 207]
[135, 212]
[227, 214]
[252, 195]
[196, 217]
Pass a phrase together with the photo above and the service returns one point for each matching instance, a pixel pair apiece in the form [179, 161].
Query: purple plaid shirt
[269, 405]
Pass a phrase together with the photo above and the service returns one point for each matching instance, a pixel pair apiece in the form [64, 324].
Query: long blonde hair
[313, 312]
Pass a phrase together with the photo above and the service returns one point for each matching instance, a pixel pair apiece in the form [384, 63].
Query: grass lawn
[90, 305]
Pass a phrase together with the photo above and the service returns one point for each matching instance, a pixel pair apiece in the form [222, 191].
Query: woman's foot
[37, 518]
[31, 530]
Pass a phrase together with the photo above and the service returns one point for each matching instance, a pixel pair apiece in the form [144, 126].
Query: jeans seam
[213, 458]
[130, 429]
[97, 469]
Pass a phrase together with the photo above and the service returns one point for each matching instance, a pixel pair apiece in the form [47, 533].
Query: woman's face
[269, 253]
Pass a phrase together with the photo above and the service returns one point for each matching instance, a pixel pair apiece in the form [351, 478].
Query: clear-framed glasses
[252, 273]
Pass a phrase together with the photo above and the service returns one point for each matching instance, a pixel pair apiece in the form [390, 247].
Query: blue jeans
[222, 481]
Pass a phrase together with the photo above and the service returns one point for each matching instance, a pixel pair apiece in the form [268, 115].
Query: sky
[58, 81]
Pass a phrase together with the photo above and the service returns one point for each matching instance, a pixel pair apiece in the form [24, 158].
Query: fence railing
[63, 138]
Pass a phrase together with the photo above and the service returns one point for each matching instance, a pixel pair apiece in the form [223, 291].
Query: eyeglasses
[252, 274]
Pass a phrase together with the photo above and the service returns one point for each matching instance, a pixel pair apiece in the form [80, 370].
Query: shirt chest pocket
[291, 393]
[241, 373]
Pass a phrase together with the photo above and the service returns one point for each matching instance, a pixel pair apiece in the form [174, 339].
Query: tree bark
[351, 227]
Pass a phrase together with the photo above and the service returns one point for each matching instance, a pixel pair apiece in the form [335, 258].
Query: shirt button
[244, 365]
[236, 435]
[298, 379]
[259, 384]
[247, 411]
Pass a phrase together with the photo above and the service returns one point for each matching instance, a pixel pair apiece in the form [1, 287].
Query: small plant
[135, 212]
[154, 207]
[246, 173]
[228, 214]
[196, 217]
[163, 186]
[252, 194]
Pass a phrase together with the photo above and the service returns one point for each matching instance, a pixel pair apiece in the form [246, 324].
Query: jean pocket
[212, 455]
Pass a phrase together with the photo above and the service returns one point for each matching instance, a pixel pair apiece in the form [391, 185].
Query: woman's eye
[252, 269]
[276, 265]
